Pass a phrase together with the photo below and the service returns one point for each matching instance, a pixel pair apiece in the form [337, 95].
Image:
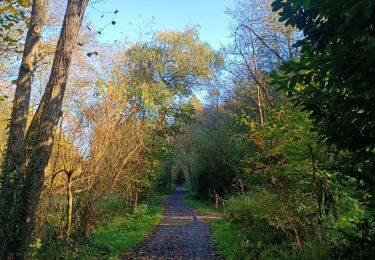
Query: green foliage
[216, 158]
[298, 189]
[334, 76]
[230, 240]
[333, 80]
[291, 203]
[111, 237]
[13, 13]
[233, 243]
[116, 236]
[273, 226]
[155, 75]
[258, 240]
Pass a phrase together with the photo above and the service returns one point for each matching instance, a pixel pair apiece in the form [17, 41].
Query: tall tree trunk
[40, 135]
[17, 125]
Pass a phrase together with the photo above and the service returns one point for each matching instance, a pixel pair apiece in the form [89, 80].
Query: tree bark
[17, 126]
[21, 101]
[40, 135]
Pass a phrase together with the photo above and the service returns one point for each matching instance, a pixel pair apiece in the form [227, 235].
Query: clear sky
[135, 16]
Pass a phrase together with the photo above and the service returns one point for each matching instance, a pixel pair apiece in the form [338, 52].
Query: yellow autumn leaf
[299, 87]
[7, 8]
[25, 3]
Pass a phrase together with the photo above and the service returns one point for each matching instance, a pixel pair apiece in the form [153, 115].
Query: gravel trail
[181, 235]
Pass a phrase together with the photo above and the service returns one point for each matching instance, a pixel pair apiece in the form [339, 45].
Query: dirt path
[181, 235]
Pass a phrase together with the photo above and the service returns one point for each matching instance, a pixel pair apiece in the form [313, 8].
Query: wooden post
[70, 204]
[217, 202]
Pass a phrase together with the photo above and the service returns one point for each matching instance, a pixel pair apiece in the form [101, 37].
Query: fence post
[217, 203]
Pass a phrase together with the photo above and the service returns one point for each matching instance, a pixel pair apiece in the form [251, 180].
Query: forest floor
[183, 234]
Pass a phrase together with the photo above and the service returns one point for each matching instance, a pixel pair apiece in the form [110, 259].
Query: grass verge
[227, 238]
[203, 207]
[120, 234]
[112, 236]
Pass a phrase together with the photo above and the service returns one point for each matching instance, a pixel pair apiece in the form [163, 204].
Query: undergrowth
[111, 237]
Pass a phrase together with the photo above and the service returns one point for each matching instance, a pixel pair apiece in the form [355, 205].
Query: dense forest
[274, 134]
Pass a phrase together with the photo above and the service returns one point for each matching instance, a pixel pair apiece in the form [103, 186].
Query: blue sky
[135, 16]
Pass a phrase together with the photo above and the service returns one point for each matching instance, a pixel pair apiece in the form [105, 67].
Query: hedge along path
[181, 235]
